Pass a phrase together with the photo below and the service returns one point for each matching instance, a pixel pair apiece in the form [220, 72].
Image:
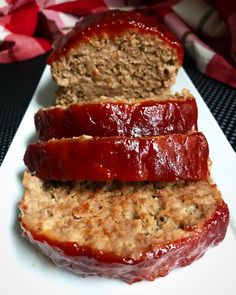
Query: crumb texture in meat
[127, 223]
[139, 58]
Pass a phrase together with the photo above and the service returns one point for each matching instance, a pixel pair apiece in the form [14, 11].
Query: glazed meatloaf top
[114, 22]
[172, 114]
[161, 158]
[115, 53]
[126, 219]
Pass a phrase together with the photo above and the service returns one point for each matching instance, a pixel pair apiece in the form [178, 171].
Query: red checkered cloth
[207, 29]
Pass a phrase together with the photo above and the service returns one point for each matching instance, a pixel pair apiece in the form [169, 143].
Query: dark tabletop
[18, 82]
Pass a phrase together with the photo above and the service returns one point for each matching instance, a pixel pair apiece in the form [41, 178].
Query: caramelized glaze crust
[161, 158]
[146, 118]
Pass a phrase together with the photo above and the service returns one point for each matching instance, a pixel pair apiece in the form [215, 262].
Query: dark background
[18, 82]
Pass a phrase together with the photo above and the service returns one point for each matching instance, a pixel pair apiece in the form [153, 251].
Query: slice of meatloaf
[161, 158]
[116, 53]
[171, 114]
[130, 231]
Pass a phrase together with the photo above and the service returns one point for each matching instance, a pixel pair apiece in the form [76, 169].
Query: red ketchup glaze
[163, 158]
[156, 262]
[114, 22]
[149, 118]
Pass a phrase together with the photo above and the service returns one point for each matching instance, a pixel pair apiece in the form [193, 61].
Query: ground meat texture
[118, 118]
[131, 231]
[116, 53]
[161, 158]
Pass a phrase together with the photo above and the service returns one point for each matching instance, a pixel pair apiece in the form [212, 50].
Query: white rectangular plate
[25, 271]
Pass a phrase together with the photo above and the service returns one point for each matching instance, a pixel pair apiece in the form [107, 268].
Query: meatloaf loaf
[161, 158]
[115, 53]
[169, 114]
[130, 230]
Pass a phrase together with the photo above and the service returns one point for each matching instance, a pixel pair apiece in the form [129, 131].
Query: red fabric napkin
[207, 29]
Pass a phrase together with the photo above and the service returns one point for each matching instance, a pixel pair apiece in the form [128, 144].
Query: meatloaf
[161, 158]
[115, 53]
[127, 230]
[167, 115]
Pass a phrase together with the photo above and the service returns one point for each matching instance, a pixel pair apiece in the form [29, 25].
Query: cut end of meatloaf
[127, 220]
[138, 58]
[129, 65]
